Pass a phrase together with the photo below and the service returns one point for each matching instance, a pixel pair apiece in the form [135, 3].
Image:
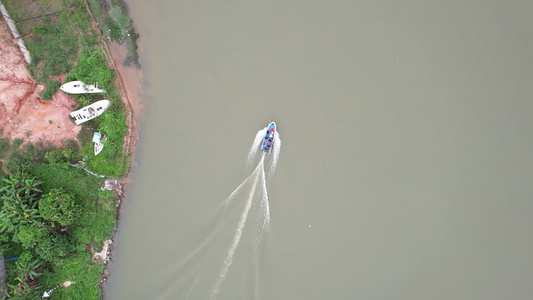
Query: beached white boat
[98, 139]
[90, 112]
[98, 147]
[78, 87]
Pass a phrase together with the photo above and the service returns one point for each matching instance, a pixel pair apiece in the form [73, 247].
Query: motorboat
[78, 87]
[268, 140]
[90, 111]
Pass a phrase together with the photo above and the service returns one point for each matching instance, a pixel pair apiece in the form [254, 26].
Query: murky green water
[405, 170]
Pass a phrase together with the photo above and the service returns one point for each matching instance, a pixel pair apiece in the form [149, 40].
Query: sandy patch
[23, 114]
[102, 256]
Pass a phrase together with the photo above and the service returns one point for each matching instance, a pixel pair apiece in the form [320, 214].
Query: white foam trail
[275, 155]
[255, 147]
[242, 222]
[190, 290]
[264, 211]
[248, 201]
[231, 196]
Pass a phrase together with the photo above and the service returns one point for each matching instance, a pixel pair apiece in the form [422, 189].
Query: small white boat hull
[98, 148]
[90, 112]
[78, 87]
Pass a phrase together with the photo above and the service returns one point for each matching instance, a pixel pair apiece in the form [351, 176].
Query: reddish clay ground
[23, 114]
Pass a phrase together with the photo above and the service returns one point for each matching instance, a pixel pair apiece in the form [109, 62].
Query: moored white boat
[90, 112]
[78, 87]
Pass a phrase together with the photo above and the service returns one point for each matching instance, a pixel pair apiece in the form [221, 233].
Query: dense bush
[29, 235]
[52, 227]
[92, 68]
[53, 247]
[58, 207]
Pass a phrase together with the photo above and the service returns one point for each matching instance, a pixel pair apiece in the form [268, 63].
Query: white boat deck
[90, 111]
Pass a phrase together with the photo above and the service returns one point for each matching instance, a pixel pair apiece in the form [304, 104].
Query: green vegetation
[55, 30]
[51, 89]
[17, 143]
[53, 33]
[115, 25]
[92, 67]
[50, 212]
[58, 207]
[4, 146]
[50, 227]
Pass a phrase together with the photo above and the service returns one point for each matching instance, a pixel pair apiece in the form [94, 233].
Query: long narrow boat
[78, 87]
[268, 140]
[90, 112]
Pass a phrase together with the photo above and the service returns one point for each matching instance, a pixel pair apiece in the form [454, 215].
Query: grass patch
[78, 269]
[17, 143]
[4, 146]
[51, 89]
[109, 161]
[92, 68]
[53, 32]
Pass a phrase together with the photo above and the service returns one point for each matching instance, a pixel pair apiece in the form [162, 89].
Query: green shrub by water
[116, 25]
[92, 68]
[53, 226]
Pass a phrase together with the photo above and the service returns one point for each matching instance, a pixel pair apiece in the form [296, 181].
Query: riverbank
[26, 119]
[128, 80]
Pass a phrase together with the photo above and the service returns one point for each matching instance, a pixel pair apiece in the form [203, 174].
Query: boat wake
[256, 178]
[243, 221]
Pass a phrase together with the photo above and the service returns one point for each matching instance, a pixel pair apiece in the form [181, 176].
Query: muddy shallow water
[405, 168]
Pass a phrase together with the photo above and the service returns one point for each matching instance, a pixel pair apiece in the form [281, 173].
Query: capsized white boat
[90, 111]
[78, 87]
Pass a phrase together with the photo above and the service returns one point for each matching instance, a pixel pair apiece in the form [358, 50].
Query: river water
[405, 170]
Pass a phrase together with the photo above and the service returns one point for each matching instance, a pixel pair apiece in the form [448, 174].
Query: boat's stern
[268, 139]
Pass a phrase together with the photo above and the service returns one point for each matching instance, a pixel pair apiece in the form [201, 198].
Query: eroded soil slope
[23, 114]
